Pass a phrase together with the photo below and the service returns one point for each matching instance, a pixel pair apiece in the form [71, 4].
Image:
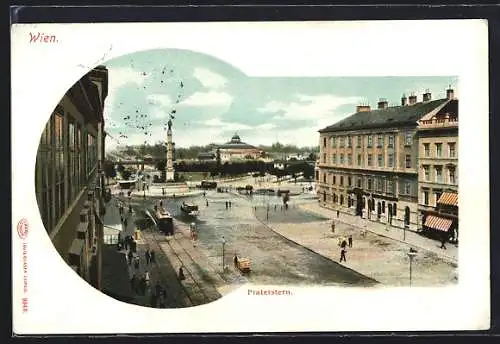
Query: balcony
[438, 123]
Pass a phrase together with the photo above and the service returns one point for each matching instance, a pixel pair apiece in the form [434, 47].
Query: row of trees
[157, 150]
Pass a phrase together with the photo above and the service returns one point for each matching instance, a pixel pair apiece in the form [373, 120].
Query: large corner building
[369, 162]
[69, 182]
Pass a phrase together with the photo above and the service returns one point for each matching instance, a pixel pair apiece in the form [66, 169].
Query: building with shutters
[438, 169]
[68, 174]
[368, 163]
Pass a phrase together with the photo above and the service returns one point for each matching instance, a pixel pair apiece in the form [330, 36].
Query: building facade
[238, 150]
[69, 181]
[438, 169]
[368, 162]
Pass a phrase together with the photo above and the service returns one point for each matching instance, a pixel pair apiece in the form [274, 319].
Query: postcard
[250, 177]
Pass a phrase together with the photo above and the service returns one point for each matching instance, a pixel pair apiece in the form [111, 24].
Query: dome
[235, 138]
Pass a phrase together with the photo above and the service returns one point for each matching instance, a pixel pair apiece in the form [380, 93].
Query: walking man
[350, 240]
[342, 254]
[443, 241]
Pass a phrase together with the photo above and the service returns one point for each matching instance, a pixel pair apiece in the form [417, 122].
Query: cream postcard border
[60, 302]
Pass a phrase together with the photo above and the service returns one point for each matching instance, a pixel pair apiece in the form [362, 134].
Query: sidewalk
[410, 237]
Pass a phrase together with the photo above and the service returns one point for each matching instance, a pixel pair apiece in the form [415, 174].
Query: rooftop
[388, 117]
[236, 143]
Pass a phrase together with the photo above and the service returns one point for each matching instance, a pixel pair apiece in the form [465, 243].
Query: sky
[211, 100]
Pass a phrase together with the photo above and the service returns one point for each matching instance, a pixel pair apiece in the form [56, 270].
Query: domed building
[238, 150]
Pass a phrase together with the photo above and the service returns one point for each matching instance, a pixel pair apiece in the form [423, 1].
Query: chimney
[427, 95]
[363, 108]
[449, 93]
[412, 98]
[404, 100]
[382, 103]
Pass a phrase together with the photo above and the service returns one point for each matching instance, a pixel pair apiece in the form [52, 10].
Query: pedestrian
[161, 204]
[207, 202]
[342, 254]
[130, 209]
[121, 219]
[344, 243]
[125, 222]
[148, 256]
[152, 257]
[181, 274]
[333, 226]
[443, 241]
[230, 204]
[338, 213]
[235, 261]
[146, 277]
[227, 205]
[350, 240]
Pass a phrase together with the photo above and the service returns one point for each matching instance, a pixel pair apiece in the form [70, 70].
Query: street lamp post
[411, 255]
[223, 248]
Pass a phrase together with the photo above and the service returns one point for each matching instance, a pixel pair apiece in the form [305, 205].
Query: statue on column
[169, 123]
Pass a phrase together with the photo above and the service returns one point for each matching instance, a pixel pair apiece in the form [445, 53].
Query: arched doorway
[394, 209]
[341, 199]
[389, 211]
[379, 209]
[407, 216]
[383, 207]
[324, 196]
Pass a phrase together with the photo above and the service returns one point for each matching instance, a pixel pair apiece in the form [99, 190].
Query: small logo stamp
[23, 228]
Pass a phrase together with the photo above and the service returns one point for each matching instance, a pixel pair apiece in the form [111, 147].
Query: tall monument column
[169, 167]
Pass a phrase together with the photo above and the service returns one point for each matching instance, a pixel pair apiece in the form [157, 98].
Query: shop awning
[438, 223]
[448, 198]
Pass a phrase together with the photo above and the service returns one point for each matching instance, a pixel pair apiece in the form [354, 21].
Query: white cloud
[216, 122]
[209, 79]
[308, 107]
[210, 98]
[266, 126]
[119, 77]
[162, 100]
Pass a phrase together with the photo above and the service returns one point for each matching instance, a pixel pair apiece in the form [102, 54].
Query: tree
[160, 165]
[312, 156]
[126, 174]
[217, 159]
[109, 170]
[120, 168]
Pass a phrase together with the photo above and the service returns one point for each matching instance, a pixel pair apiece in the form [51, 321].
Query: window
[390, 161]
[349, 181]
[369, 159]
[438, 195]
[342, 142]
[426, 173]
[380, 141]
[370, 141]
[324, 142]
[439, 174]
[380, 159]
[359, 182]
[379, 185]
[369, 183]
[317, 175]
[452, 176]
[359, 141]
[426, 150]
[439, 150]
[426, 197]
[349, 159]
[408, 161]
[452, 150]
[391, 141]
[334, 142]
[341, 180]
[390, 187]
[334, 158]
[341, 159]
[324, 178]
[359, 159]
[407, 188]
[324, 157]
[408, 138]
[349, 143]
[334, 180]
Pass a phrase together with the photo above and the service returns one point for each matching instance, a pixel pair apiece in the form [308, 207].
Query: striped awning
[448, 198]
[438, 223]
